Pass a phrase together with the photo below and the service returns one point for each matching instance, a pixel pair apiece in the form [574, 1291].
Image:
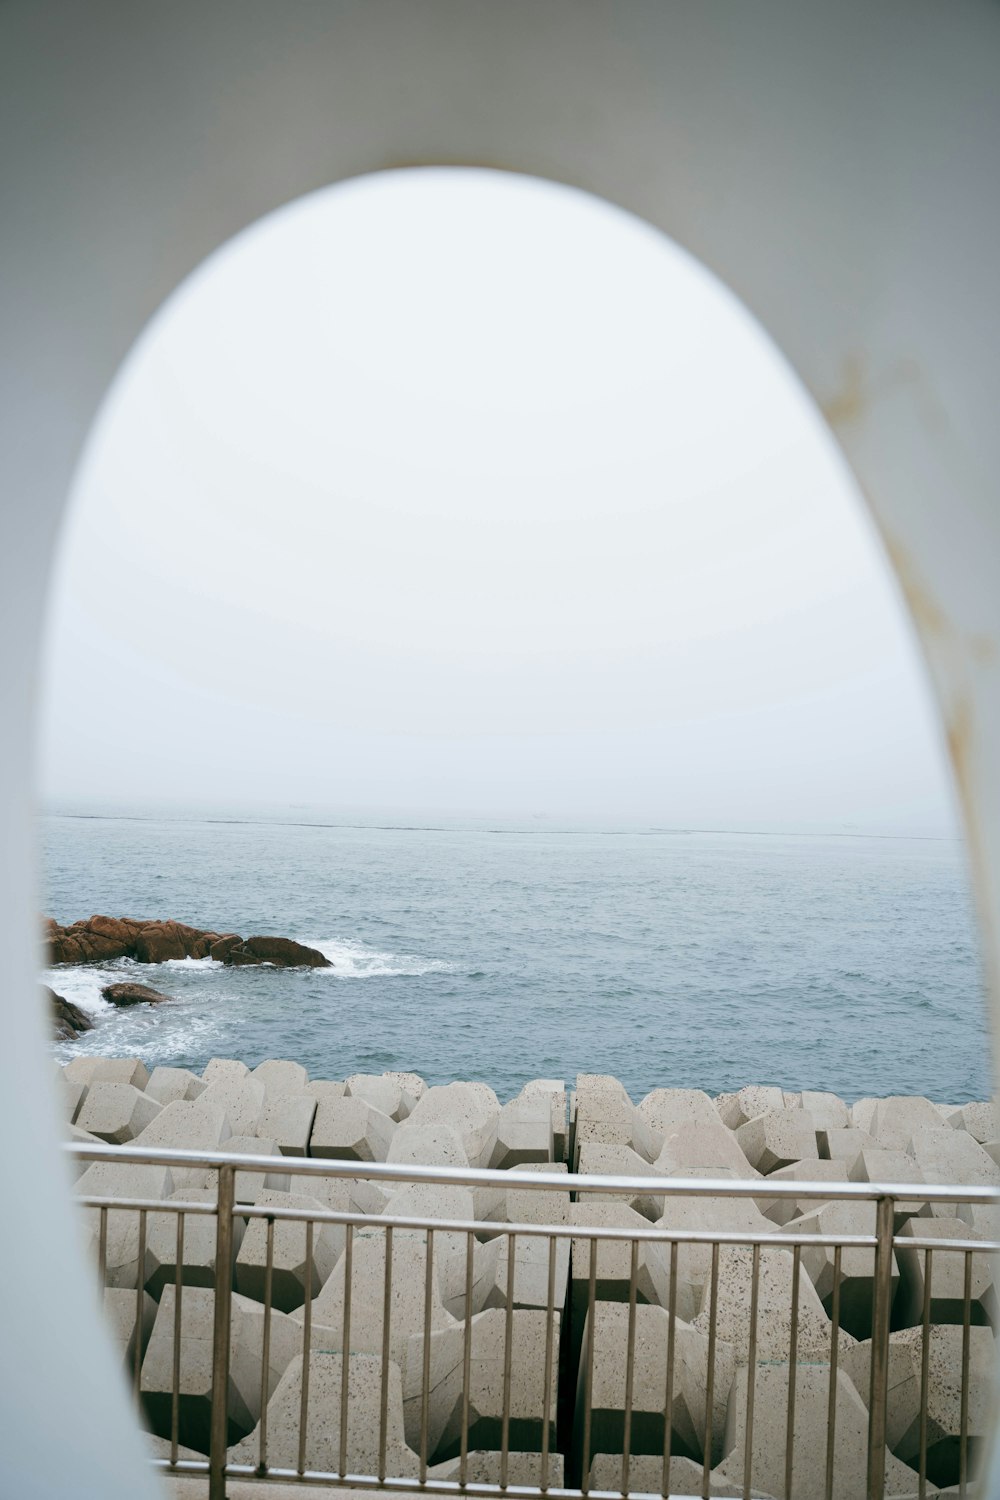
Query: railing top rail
[492, 1229]
[563, 1182]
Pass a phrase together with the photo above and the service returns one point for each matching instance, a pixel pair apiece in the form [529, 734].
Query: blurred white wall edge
[835, 165]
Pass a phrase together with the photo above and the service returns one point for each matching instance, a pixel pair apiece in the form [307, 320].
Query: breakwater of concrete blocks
[640, 1338]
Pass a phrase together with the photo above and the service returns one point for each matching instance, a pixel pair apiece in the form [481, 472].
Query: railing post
[881, 1308]
[220, 1334]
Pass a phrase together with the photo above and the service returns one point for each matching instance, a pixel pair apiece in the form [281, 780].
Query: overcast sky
[451, 492]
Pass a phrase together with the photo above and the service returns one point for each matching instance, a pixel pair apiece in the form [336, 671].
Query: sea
[503, 953]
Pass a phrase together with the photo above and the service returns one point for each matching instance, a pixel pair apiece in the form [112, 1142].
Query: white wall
[836, 165]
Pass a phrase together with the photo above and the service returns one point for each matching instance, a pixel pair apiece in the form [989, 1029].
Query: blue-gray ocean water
[704, 960]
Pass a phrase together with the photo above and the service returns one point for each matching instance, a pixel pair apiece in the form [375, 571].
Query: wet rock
[101, 939]
[133, 994]
[284, 952]
[68, 1019]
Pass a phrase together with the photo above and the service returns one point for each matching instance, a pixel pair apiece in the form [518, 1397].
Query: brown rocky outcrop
[133, 994]
[68, 1019]
[284, 952]
[101, 939]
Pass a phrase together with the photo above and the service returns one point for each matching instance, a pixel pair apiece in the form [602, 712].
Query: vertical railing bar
[963, 1422]
[713, 1314]
[102, 1254]
[383, 1412]
[588, 1377]
[925, 1369]
[668, 1397]
[463, 1458]
[306, 1346]
[751, 1372]
[633, 1275]
[345, 1352]
[831, 1401]
[140, 1277]
[508, 1343]
[793, 1354]
[549, 1345]
[265, 1358]
[175, 1384]
[425, 1393]
[219, 1420]
[879, 1387]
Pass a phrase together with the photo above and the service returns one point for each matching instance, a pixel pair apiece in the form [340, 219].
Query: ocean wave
[352, 960]
[82, 986]
[188, 963]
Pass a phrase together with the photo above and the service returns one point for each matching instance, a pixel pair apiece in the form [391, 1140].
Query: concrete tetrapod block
[280, 1076]
[942, 1155]
[782, 1210]
[524, 1133]
[432, 1145]
[664, 1109]
[224, 1069]
[368, 1268]
[522, 1205]
[350, 1130]
[747, 1103]
[612, 1271]
[488, 1347]
[241, 1098]
[531, 1272]
[777, 1138]
[189, 1126]
[844, 1145]
[863, 1113]
[167, 1084]
[395, 1094]
[428, 1200]
[981, 1120]
[645, 1476]
[288, 1120]
[774, 1307]
[323, 1410]
[483, 1467]
[198, 1265]
[694, 1261]
[110, 1179]
[471, 1109]
[71, 1096]
[810, 1431]
[74, 1134]
[890, 1167]
[291, 1268]
[324, 1088]
[895, 1119]
[944, 1395]
[828, 1111]
[947, 1270]
[697, 1145]
[249, 1185]
[607, 1362]
[606, 1116]
[123, 1325]
[857, 1266]
[553, 1089]
[195, 1388]
[107, 1070]
[116, 1112]
[595, 1160]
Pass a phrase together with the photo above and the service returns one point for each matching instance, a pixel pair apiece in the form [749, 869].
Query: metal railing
[582, 1279]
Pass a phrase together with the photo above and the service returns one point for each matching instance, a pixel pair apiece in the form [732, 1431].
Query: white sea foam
[82, 986]
[188, 963]
[352, 960]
